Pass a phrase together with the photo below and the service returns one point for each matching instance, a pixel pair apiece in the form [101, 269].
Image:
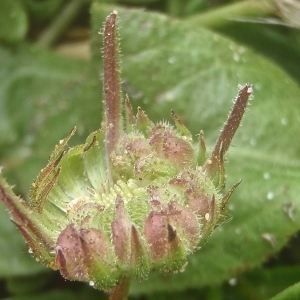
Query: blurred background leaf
[169, 62]
[13, 21]
[291, 293]
[195, 72]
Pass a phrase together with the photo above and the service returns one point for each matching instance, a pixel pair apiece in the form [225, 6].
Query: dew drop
[284, 121]
[232, 281]
[207, 216]
[231, 206]
[270, 196]
[258, 86]
[238, 230]
[30, 251]
[91, 283]
[253, 142]
[171, 60]
[236, 57]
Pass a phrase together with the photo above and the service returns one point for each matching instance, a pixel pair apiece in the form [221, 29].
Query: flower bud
[128, 244]
[171, 231]
[129, 200]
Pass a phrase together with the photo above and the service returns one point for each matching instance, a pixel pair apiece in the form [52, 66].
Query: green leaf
[171, 64]
[42, 11]
[58, 294]
[13, 21]
[262, 283]
[40, 103]
[291, 293]
[23, 285]
[14, 259]
[282, 46]
[167, 64]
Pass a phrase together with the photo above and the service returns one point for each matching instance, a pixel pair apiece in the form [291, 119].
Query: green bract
[131, 199]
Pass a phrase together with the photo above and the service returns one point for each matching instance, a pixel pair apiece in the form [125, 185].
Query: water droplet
[270, 196]
[253, 142]
[91, 283]
[171, 60]
[267, 175]
[207, 216]
[250, 89]
[236, 57]
[258, 86]
[167, 96]
[238, 230]
[284, 121]
[28, 139]
[232, 281]
[30, 251]
[220, 228]
[231, 206]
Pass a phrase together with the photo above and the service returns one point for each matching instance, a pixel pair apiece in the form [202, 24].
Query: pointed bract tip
[213, 163]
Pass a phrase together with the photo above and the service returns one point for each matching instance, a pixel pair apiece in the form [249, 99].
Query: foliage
[169, 61]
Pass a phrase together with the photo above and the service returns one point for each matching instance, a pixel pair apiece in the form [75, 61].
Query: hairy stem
[112, 84]
[120, 292]
[215, 162]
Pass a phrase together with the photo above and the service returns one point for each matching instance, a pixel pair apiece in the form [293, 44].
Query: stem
[112, 84]
[120, 292]
[219, 17]
[58, 26]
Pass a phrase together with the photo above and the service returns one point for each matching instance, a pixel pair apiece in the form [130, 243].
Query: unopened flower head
[133, 198]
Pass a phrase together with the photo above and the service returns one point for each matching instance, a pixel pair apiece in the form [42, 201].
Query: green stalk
[58, 26]
[120, 292]
[219, 17]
